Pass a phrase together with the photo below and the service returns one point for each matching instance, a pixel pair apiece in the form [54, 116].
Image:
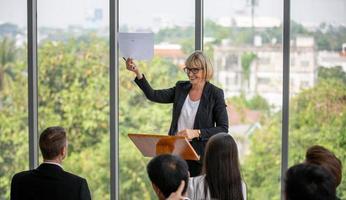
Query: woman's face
[195, 74]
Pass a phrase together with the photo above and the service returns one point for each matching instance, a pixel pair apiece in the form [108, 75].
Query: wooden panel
[152, 145]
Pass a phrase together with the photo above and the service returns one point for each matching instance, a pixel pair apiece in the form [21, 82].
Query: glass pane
[14, 147]
[318, 79]
[173, 28]
[244, 40]
[73, 61]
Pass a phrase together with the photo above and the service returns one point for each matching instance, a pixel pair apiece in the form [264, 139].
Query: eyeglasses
[194, 70]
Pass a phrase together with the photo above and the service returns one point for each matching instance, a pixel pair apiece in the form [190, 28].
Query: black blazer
[48, 181]
[211, 117]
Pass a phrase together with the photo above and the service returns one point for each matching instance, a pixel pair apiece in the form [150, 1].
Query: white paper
[139, 46]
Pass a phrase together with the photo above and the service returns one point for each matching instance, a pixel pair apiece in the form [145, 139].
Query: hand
[177, 195]
[188, 133]
[131, 66]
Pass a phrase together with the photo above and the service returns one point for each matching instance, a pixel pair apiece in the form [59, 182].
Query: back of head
[52, 140]
[221, 167]
[166, 172]
[321, 156]
[309, 182]
[199, 59]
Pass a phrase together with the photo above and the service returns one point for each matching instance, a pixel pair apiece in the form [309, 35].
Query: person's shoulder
[197, 180]
[196, 187]
[73, 177]
[201, 177]
[214, 87]
[22, 174]
[182, 83]
[215, 90]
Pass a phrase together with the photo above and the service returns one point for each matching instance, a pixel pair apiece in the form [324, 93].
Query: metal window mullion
[32, 83]
[285, 93]
[114, 98]
[199, 25]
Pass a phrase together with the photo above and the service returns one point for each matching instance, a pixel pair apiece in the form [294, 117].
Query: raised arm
[159, 96]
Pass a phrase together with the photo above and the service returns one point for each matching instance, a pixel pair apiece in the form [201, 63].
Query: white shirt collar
[53, 163]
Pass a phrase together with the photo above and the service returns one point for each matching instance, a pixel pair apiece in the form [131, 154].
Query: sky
[142, 13]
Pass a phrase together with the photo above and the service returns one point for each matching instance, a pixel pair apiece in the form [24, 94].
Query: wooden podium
[152, 145]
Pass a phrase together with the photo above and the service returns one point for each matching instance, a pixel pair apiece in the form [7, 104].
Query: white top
[188, 114]
[195, 189]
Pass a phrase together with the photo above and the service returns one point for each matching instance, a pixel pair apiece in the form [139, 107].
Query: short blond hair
[198, 58]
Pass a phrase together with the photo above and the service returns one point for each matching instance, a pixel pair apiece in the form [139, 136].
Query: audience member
[178, 195]
[166, 172]
[221, 177]
[309, 182]
[321, 156]
[49, 180]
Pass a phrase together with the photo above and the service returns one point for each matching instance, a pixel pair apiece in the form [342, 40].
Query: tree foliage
[13, 114]
[317, 116]
[246, 60]
[333, 73]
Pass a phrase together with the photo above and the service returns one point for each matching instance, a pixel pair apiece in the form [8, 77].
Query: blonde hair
[198, 58]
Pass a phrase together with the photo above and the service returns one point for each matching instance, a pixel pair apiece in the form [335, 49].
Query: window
[246, 51]
[232, 63]
[173, 25]
[247, 41]
[304, 63]
[318, 110]
[13, 93]
[73, 84]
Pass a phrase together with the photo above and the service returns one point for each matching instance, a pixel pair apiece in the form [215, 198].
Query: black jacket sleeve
[219, 115]
[159, 96]
[84, 191]
[14, 190]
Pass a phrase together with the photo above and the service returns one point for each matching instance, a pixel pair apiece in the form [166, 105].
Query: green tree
[13, 115]
[333, 73]
[7, 57]
[329, 37]
[175, 34]
[318, 116]
[246, 60]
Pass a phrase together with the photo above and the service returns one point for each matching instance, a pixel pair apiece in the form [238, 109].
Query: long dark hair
[221, 168]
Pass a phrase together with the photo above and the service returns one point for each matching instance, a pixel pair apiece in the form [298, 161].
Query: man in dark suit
[49, 180]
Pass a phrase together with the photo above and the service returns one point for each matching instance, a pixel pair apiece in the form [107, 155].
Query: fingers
[129, 61]
[181, 187]
[177, 195]
[130, 65]
[184, 133]
[181, 133]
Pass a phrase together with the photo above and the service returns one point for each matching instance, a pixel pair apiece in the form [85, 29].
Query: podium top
[152, 145]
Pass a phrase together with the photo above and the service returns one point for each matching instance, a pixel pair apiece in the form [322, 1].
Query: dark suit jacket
[211, 117]
[48, 182]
